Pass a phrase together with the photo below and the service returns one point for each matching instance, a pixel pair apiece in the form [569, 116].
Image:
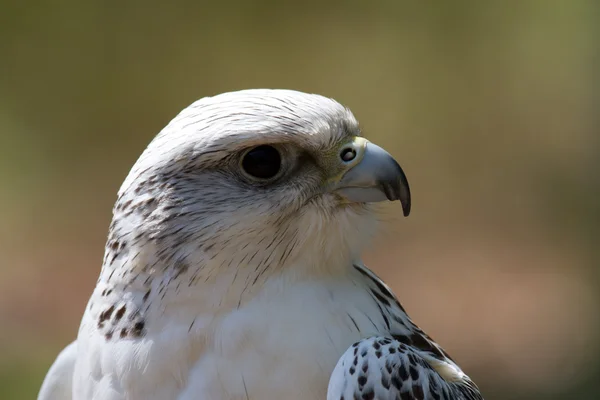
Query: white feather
[58, 384]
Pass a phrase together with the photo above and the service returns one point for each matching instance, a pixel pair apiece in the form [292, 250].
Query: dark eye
[262, 162]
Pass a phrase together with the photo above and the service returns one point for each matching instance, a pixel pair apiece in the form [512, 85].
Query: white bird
[232, 268]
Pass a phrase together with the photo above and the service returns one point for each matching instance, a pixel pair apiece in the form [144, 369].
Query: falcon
[232, 268]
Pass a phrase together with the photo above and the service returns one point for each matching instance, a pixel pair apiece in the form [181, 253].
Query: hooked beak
[373, 175]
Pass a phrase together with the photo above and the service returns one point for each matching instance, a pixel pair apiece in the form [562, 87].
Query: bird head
[254, 179]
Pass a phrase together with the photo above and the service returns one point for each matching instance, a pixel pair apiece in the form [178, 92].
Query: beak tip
[406, 209]
[404, 197]
[400, 193]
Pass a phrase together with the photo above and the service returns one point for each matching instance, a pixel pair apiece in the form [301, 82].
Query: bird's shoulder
[402, 362]
[398, 324]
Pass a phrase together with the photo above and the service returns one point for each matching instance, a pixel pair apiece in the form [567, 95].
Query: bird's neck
[195, 272]
[202, 284]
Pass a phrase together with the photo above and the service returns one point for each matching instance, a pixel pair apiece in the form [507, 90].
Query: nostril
[348, 154]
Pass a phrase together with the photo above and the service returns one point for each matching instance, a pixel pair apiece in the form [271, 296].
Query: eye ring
[261, 163]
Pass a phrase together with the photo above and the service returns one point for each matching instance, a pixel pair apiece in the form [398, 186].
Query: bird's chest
[283, 344]
[281, 348]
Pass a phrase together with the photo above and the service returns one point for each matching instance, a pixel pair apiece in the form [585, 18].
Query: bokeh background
[491, 108]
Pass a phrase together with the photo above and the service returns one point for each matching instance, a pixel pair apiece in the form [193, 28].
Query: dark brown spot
[108, 335]
[413, 360]
[418, 392]
[414, 374]
[369, 395]
[146, 295]
[123, 333]
[119, 313]
[402, 372]
[138, 329]
[104, 315]
[362, 380]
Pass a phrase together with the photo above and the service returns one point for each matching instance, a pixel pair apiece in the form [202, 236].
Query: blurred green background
[489, 106]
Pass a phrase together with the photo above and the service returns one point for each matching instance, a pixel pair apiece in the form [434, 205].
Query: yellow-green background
[489, 106]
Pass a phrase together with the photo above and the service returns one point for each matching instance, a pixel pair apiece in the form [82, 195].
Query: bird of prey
[232, 268]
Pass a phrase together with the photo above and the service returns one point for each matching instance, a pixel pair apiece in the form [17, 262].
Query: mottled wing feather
[402, 363]
[386, 369]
